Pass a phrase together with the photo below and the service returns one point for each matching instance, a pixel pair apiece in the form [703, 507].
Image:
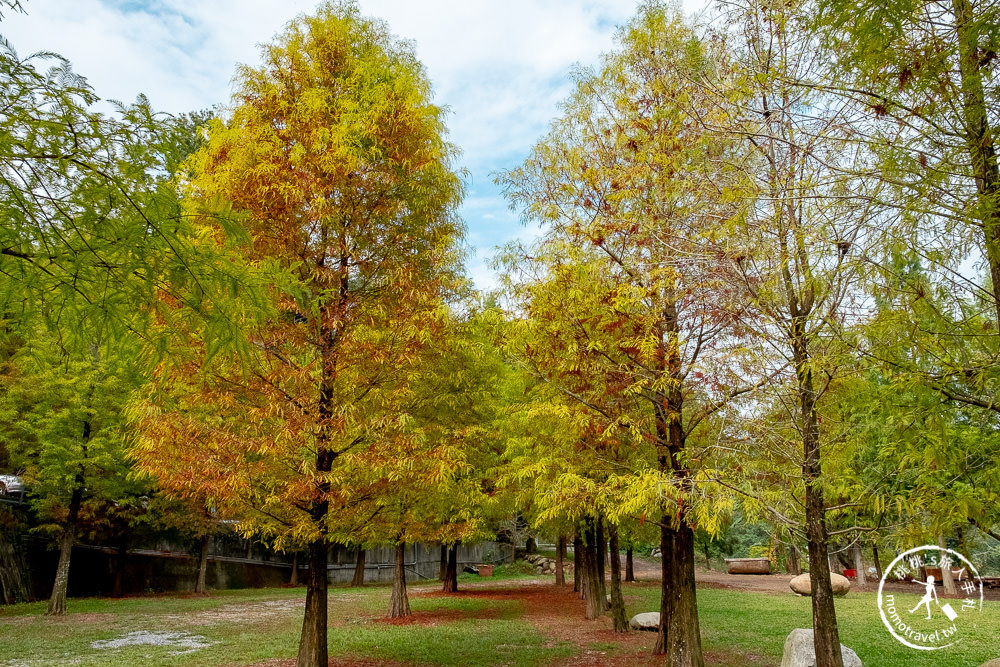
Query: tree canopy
[765, 287]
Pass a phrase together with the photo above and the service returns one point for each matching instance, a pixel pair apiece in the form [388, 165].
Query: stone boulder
[995, 662]
[647, 621]
[803, 585]
[545, 565]
[800, 652]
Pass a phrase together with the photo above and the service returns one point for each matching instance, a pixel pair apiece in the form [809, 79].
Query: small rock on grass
[800, 651]
[650, 620]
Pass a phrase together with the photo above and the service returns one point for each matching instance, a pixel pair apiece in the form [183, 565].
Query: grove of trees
[766, 287]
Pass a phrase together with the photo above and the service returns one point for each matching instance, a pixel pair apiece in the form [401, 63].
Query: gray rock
[800, 652]
[647, 621]
[802, 584]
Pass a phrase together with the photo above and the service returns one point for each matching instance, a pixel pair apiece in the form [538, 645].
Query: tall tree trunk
[602, 545]
[679, 635]
[359, 568]
[629, 569]
[293, 579]
[13, 570]
[531, 545]
[878, 563]
[601, 551]
[793, 560]
[708, 560]
[777, 550]
[617, 601]
[560, 559]
[947, 580]
[313, 650]
[666, 586]
[979, 136]
[121, 554]
[591, 588]
[577, 563]
[451, 572]
[200, 587]
[443, 571]
[57, 603]
[826, 637]
[859, 564]
[399, 603]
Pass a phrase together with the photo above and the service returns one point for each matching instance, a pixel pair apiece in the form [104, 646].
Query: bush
[518, 567]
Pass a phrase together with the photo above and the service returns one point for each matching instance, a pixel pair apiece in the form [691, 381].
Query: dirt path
[648, 569]
[766, 583]
[558, 614]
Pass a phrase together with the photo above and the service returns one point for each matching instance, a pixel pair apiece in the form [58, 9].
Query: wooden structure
[748, 566]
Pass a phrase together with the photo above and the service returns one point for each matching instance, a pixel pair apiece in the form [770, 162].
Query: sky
[500, 66]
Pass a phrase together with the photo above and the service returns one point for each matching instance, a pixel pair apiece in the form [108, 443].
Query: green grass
[159, 604]
[462, 642]
[739, 629]
[248, 626]
[235, 622]
[752, 628]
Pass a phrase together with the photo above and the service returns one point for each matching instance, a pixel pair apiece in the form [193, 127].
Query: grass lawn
[243, 627]
[511, 622]
[742, 628]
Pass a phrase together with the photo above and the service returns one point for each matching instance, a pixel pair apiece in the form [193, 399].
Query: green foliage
[625, 311]
[336, 163]
[740, 539]
[921, 465]
[62, 424]
[922, 76]
[96, 243]
[518, 567]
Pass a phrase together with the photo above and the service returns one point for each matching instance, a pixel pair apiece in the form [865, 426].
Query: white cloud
[501, 66]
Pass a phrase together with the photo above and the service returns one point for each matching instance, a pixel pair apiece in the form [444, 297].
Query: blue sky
[501, 66]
